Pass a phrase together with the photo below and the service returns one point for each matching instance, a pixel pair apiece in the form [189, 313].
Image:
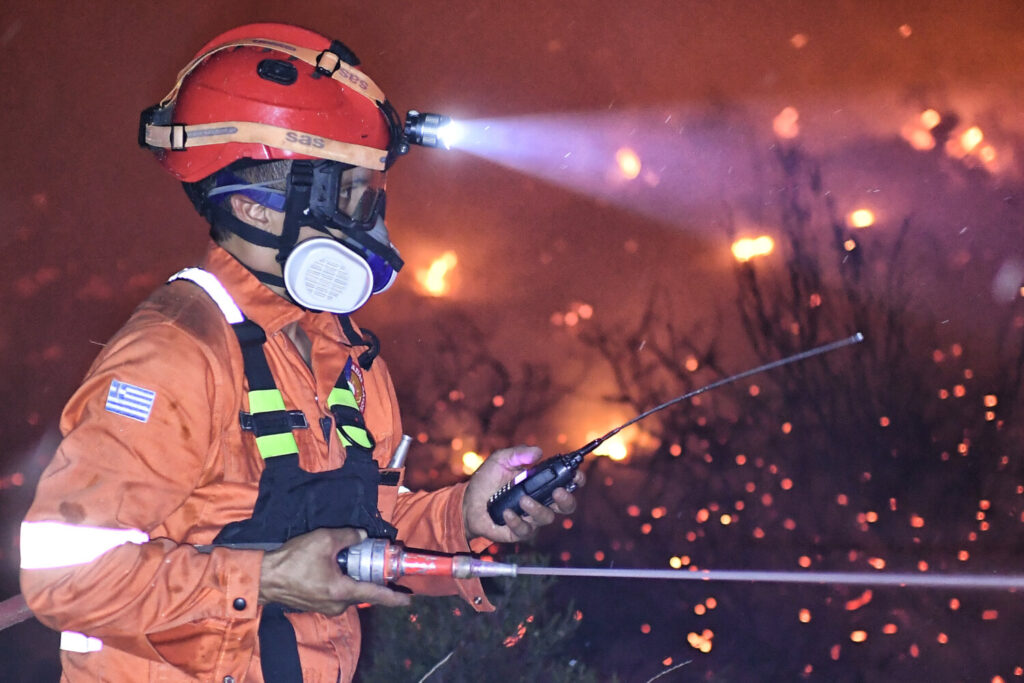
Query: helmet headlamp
[431, 130]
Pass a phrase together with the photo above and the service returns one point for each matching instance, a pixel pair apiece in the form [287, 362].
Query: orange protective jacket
[107, 546]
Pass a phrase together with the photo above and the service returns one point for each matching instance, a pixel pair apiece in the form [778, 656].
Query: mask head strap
[296, 207]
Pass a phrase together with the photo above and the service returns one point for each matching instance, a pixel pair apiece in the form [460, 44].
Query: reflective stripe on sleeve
[73, 641]
[46, 545]
[213, 287]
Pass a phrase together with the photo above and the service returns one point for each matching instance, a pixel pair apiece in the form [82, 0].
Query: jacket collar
[259, 303]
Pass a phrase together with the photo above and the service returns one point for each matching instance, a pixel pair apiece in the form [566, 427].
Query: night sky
[646, 138]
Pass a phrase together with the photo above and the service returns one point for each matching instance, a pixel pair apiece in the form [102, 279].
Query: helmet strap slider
[329, 61]
[179, 137]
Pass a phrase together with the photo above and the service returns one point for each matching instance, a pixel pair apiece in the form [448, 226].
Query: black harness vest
[292, 501]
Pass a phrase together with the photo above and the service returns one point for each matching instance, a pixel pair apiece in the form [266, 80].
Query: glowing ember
[516, 637]
[857, 603]
[433, 279]
[701, 641]
[747, 248]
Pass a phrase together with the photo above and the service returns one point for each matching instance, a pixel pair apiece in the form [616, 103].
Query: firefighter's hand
[304, 574]
[502, 466]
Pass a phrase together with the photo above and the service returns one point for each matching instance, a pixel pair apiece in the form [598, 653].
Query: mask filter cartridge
[324, 275]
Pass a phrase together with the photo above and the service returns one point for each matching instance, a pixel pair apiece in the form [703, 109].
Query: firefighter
[240, 404]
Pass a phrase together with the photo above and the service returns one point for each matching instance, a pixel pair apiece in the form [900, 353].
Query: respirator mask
[338, 272]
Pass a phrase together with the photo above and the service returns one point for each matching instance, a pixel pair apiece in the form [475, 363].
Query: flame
[971, 138]
[747, 248]
[629, 162]
[433, 278]
[615, 448]
[786, 124]
[861, 218]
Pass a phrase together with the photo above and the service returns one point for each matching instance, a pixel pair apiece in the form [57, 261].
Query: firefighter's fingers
[563, 502]
[343, 537]
[364, 591]
[518, 527]
[538, 514]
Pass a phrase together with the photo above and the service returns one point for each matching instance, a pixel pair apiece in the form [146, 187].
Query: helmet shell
[226, 86]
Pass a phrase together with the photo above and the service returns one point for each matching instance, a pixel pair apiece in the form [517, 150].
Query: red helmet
[271, 91]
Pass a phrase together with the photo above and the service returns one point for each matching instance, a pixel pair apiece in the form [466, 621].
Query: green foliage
[525, 639]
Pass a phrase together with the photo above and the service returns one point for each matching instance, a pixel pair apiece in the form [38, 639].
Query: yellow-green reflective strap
[341, 397]
[273, 445]
[265, 401]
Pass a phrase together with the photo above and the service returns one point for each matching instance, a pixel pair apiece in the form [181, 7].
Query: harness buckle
[276, 422]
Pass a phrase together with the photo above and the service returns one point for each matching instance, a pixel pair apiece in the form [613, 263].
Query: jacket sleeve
[427, 520]
[95, 559]
[433, 520]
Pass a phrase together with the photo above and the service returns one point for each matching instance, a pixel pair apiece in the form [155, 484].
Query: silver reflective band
[212, 286]
[73, 641]
[47, 545]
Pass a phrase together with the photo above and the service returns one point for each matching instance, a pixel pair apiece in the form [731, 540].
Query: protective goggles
[341, 196]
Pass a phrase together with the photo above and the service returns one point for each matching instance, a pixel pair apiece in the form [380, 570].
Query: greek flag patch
[130, 400]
